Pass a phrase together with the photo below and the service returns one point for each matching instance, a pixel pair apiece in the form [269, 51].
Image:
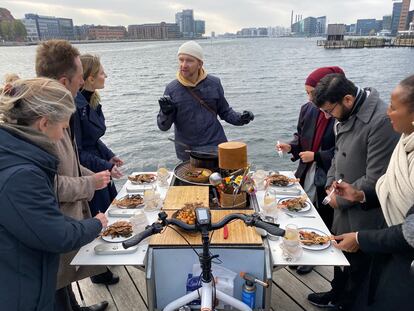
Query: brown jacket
[75, 187]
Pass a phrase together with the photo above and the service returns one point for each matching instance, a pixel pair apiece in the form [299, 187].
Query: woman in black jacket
[391, 286]
[90, 127]
[33, 231]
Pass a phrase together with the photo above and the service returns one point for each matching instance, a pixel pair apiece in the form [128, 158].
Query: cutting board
[239, 233]
[177, 196]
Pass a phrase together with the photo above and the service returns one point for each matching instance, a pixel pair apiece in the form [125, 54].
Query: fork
[328, 198]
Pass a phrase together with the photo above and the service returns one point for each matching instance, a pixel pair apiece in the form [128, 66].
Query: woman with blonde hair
[33, 232]
[93, 153]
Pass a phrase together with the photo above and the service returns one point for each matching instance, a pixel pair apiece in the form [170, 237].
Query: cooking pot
[205, 158]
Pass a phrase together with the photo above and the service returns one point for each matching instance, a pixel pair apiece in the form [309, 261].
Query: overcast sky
[220, 15]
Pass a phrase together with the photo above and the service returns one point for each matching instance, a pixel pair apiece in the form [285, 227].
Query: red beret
[316, 75]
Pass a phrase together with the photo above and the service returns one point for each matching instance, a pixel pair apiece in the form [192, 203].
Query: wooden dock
[360, 43]
[289, 290]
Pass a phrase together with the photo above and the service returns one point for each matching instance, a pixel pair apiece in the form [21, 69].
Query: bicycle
[204, 226]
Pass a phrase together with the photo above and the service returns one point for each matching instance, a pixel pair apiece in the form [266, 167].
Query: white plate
[315, 247]
[305, 209]
[119, 239]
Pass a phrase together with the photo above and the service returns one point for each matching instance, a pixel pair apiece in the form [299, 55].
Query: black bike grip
[270, 228]
[138, 238]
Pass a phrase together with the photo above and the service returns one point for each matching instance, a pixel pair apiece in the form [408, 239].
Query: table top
[327, 257]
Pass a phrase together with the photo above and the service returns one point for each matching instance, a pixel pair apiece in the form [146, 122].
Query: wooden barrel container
[232, 155]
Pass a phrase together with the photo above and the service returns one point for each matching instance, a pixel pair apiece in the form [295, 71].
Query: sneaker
[322, 300]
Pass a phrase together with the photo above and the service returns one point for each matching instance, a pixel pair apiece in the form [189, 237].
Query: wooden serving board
[177, 196]
[239, 233]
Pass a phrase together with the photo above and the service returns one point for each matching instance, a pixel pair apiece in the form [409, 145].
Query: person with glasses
[364, 143]
[313, 145]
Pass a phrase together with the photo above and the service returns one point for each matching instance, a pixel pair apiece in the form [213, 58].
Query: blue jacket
[33, 231]
[194, 125]
[89, 127]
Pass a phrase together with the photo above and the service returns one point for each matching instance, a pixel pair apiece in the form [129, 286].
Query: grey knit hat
[191, 48]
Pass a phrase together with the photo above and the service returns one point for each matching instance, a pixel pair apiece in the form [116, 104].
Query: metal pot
[205, 159]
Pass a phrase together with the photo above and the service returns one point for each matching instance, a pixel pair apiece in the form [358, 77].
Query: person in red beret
[314, 146]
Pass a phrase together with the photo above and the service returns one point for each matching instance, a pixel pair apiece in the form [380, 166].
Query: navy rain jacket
[194, 125]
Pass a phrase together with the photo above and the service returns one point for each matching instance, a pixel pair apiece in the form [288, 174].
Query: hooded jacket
[33, 231]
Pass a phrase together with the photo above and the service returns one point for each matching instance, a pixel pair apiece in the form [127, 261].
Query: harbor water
[265, 76]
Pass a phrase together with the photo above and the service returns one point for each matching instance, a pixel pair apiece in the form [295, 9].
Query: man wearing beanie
[193, 101]
[314, 146]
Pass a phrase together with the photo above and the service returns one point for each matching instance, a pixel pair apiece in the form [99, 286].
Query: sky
[220, 15]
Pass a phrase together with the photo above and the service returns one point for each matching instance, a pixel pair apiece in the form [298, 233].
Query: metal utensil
[237, 189]
[215, 179]
[200, 152]
[179, 143]
[328, 199]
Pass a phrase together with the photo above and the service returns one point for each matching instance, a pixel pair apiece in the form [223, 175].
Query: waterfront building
[386, 22]
[50, 27]
[395, 19]
[321, 25]
[185, 21]
[81, 32]
[199, 28]
[350, 29]
[31, 29]
[161, 31]
[305, 27]
[365, 27]
[106, 33]
[336, 32]
[404, 22]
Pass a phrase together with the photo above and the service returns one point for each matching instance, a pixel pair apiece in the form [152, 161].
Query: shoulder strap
[202, 102]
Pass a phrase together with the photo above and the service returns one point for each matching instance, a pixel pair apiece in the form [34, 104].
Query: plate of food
[280, 180]
[129, 201]
[295, 204]
[142, 179]
[119, 231]
[200, 175]
[314, 239]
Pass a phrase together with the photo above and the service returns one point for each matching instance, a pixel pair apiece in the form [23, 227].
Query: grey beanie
[191, 48]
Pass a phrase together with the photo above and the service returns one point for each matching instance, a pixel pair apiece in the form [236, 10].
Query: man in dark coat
[192, 103]
[364, 143]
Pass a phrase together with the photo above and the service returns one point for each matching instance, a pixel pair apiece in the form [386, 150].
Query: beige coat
[73, 192]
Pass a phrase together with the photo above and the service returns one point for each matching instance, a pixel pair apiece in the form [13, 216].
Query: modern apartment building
[50, 27]
[161, 31]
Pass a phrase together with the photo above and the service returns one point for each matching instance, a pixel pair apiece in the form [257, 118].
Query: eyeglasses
[329, 112]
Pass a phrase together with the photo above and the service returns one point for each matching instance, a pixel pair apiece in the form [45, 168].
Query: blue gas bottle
[249, 294]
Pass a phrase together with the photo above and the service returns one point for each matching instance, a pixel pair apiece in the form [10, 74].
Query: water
[265, 76]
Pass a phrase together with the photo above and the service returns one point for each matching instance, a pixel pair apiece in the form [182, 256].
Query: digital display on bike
[203, 216]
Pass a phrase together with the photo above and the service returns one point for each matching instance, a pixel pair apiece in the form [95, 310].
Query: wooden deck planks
[289, 290]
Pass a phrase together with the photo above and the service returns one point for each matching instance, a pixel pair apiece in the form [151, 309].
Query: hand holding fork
[328, 198]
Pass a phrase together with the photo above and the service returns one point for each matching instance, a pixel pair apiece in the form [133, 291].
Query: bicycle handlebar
[252, 220]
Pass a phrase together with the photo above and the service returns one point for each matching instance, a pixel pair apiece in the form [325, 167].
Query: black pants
[347, 284]
[65, 299]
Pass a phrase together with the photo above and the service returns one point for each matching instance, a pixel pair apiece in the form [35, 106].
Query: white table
[328, 257]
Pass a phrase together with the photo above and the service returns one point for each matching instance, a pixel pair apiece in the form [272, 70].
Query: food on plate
[280, 180]
[118, 229]
[198, 174]
[129, 201]
[294, 204]
[187, 213]
[142, 178]
[312, 238]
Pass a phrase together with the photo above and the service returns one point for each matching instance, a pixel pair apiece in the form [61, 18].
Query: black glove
[166, 104]
[247, 116]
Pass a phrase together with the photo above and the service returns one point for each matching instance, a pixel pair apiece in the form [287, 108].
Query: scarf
[31, 135]
[321, 125]
[395, 188]
[202, 74]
